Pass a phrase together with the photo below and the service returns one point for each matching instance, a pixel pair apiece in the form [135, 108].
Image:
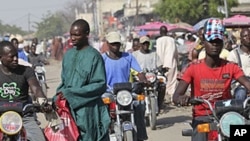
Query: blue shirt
[118, 70]
[22, 55]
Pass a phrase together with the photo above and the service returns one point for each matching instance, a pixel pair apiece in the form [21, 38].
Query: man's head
[213, 37]
[114, 41]
[33, 49]
[8, 55]
[163, 30]
[145, 42]
[245, 37]
[79, 33]
[136, 44]
[15, 42]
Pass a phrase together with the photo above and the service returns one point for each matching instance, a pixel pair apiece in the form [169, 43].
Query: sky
[20, 12]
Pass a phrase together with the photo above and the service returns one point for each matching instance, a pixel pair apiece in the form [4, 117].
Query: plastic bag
[67, 131]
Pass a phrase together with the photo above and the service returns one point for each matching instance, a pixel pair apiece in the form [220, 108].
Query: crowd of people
[209, 60]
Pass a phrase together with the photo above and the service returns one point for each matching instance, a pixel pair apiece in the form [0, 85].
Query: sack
[67, 131]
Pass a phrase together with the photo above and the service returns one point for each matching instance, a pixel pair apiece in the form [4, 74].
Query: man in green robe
[83, 82]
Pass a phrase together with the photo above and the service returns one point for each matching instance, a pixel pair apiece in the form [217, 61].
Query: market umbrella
[200, 24]
[237, 21]
[179, 29]
[152, 26]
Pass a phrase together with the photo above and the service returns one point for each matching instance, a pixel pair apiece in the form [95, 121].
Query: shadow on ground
[170, 121]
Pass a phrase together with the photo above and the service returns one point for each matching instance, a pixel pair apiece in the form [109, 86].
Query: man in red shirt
[210, 78]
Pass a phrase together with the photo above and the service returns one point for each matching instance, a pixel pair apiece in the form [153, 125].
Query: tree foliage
[10, 29]
[50, 26]
[190, 11]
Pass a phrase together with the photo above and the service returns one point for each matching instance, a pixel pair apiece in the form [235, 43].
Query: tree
[50, 26]
[68, 13]
[190, 11]
[10, 29]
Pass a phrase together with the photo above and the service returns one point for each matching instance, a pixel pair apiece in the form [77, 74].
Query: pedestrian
[118, 66]
[135, 45]
[167, 51]
[14, 85]
[210, 78]
[21, 55]
[83, 81]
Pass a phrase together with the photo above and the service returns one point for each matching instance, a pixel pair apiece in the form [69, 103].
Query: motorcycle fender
[127, 125]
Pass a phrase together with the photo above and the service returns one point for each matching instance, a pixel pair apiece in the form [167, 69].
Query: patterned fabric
[214, 29]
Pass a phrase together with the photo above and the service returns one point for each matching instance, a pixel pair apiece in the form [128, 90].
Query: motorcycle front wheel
[44, 89]
[128, 135]
[152, 116]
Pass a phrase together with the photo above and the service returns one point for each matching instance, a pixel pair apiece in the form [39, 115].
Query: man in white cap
[148, 60]
[118, 65]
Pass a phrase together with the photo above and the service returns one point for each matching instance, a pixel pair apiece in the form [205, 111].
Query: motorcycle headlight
[39, 69]
[124, 97]
[11, 123]
[151, 77]
[230, 118]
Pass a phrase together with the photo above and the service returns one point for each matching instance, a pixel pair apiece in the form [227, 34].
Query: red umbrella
[237, 21]
[152, 28]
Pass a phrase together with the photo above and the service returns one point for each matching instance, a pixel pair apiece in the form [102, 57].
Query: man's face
[213, 48]
[10, 57]
[145, 46]
[15, 43]
[114, 47]
[245, 38]
[33, 49]
[136, 45]
[77, 36]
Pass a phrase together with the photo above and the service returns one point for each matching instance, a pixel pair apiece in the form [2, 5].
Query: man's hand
[183, 100]
[47, 108]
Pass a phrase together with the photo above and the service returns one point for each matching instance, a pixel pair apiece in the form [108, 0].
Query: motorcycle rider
[118, 65]
[240, 55]
[37, 60]
[20, 78]
[210, 78]
[148, 59]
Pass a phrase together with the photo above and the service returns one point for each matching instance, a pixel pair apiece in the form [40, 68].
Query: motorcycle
[11, 122]
[40, 75]
[154, 93]
[225, 113]
[120, 104]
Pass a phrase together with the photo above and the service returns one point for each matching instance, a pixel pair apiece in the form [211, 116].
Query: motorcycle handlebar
[29, 108]
[196, 101]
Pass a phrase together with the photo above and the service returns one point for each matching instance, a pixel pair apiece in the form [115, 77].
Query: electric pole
[225, 7]
[28, 22]
[205, 8]
[136, 12]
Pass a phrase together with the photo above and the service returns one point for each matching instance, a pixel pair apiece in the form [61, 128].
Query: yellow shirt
[224, 53]
[132, 74]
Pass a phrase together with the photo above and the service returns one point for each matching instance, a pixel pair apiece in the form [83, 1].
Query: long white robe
[168, 54]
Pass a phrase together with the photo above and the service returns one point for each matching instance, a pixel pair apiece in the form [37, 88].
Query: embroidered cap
[113, 37]
[213, 29]
[144, 39]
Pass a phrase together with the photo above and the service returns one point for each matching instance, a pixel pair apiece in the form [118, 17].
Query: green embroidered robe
[83, 82]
